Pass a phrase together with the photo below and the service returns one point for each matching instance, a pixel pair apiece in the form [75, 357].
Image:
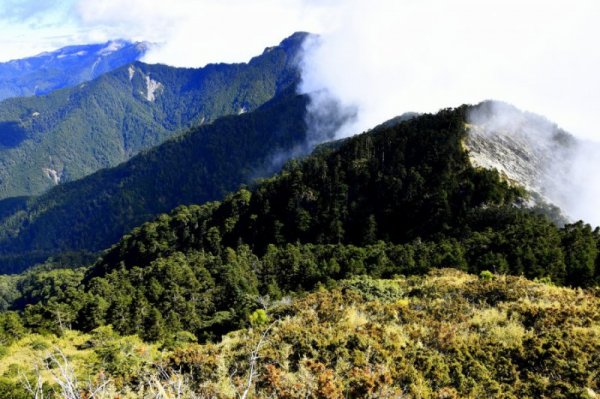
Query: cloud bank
[384, 57]
[193, 33]
[28, 27]
[388, 57]
[188, 33]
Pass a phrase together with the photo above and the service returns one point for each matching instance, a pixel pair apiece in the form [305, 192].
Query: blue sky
[28, 27]
[231, 30]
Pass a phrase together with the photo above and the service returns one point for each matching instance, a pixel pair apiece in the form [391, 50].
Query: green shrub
[258, 318]
[486, 275]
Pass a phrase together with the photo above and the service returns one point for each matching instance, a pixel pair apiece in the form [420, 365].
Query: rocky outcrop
[526, 149]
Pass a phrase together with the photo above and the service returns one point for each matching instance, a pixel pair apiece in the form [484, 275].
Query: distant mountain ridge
[203, 164]
[65, 67]
[71, 133]
[209, 161]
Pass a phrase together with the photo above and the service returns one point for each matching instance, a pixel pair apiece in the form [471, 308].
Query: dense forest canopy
[201, 165]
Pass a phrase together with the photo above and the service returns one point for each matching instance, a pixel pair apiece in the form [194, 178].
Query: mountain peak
[291, 43]
[65, 67]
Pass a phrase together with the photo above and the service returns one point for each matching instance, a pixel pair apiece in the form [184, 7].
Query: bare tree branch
[254, 356]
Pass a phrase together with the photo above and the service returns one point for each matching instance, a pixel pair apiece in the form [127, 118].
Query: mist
[581, 199]
[389, 57]
[193, 33]
[540, 156]
[385, 58]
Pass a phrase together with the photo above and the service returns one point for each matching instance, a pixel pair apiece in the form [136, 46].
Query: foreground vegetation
[444, 335]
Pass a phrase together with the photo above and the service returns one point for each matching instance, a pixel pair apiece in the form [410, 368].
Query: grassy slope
[444, 335]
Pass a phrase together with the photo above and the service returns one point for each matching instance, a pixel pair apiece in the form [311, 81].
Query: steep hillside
[527, 150]
[65, 67]
[396, 200]
[404, 181]
[70, 133]
[201, 165]
[322, 218]
[411, 180]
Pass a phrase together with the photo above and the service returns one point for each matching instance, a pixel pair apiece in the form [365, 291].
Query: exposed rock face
[52, 175]
[152, 86]
[526, 149]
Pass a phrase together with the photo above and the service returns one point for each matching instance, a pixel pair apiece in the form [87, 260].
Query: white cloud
[390, 56]
[190, 32]
[196, 32]
[28, 27]
[385, 56]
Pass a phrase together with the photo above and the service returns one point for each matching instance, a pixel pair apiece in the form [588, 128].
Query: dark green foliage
[349, 209]
[209, 294]
[8, 290]
[50, 299]
[71, 133]
[509, 240]
[200, 293]
[11, 328]
[581, 253]
[411, 181]
[597, 238]
[201, 165]
[13, 390]
[367, 189]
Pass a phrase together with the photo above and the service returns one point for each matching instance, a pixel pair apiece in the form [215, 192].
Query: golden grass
[30, 352]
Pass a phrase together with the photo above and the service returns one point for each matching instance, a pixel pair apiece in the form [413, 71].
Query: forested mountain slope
[201, 165]
[70, 133]
[396, 200]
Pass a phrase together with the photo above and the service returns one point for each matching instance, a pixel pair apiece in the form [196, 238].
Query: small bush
[486, 275]
[258, 318]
